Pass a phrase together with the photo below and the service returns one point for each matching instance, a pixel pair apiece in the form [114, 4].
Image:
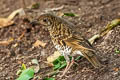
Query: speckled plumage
[66, 40]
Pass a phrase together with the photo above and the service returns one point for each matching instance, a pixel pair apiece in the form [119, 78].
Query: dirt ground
[92, 17]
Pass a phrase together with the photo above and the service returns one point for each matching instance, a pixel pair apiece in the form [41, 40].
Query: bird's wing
[77, 41]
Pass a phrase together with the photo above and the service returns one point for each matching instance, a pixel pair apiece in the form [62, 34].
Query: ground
[92, 17]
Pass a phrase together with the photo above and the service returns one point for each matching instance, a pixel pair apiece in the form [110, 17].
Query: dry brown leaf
[53, 57]
[39, 43]
[116, 69]
[7, 42]
[4, 22]
[48, 63]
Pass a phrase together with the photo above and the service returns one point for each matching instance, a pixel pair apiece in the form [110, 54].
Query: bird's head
[47, 20]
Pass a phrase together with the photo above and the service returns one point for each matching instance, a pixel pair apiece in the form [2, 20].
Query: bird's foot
[69, 64]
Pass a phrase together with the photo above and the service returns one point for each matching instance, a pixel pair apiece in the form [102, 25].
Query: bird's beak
[34, 22]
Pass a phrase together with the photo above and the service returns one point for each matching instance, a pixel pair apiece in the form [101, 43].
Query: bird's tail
[92, 58]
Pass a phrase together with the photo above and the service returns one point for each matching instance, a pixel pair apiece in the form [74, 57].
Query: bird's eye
[44, 20]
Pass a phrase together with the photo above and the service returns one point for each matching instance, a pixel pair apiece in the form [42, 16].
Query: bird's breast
[64, 50]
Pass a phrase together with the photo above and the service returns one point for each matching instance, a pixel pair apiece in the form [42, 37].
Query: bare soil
[92, 17]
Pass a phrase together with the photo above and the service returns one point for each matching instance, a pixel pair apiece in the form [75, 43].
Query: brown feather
[92, 58]
[85, 49]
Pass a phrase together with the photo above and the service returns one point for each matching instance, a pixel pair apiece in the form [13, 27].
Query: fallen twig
[54, 9]
[7, 42]
[102, 33]
[20, 37]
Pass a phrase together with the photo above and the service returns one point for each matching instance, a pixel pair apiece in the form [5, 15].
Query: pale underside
[65, 50]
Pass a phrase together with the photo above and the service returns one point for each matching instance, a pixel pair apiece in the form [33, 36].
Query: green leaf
[26, 74]
[61, 58]
[57, 66]
[55, 62]
[60, 62]
[23, 67]
[69, 14]
[63, 65]
[35, 6]
[49, 79]
[117, 51]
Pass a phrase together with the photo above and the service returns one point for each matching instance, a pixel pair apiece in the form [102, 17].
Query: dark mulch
[92, 17]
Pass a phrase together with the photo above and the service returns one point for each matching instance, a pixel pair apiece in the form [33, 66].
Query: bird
[67, 41]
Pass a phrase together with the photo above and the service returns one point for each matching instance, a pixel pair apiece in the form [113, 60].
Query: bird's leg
[66, 69]
[69, 64]
[72, 61]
